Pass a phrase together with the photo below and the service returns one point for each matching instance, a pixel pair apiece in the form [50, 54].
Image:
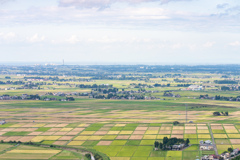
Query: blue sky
[120, 31]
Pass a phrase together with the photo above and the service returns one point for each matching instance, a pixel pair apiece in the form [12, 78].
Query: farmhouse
[207, 145]
[178, 147]
[195, 88]
[3, 122]
[210, 157]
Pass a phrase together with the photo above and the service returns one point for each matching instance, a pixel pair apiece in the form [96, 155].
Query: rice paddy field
[120, 129]
[116, 140]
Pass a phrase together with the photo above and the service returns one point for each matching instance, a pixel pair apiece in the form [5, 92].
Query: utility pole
[186, 112]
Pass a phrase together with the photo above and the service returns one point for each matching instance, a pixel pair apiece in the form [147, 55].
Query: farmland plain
[120, 128]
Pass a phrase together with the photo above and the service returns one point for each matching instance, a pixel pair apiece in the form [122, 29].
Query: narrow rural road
[213, 142]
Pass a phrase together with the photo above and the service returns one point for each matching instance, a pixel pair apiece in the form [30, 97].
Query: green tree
[88, 156]
[165, 140]
[160, 145]
[187, 142]
[230, 149]
[176, 123]
[216, 114]
[156, 144]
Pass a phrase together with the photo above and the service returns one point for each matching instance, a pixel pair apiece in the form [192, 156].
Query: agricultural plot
[120, 140]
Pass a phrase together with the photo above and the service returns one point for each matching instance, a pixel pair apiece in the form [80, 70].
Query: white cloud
[209, 44]
[5, 1]
[7, 36]
[73, 39]
[36, 38]
[236, 43]
[106, 3]
[177, 46]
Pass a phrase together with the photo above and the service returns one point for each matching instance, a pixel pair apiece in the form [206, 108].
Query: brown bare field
[177, 132]
[100, 133]
[72, 133]
[164, 132]
[229, 127]
[104, 143]
[138, 132]
[166, 128]
[190, 131]
[60, 133]
[60, 142]
[3, 137]
[77, 129]
[13, 138]
[202, 127]
[190, 128]
[217, 127]
[134, 137]
[141, 128]
[154, 128]
[123, 137]
[1, 133]
[178, 128]
[176, 136]
[235, 141]
[26, 138]
[63, 138]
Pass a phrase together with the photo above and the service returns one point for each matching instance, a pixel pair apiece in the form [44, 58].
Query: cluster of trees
[140, 85]
[110, 90]
[168, 143]
[184, 85]
[179, 80]
[94, 86]
[13, 82]
[225, 82]
[219, 114]
[218, 97]
[70, 99]
[115, 96]
[96, 156]
[159, 85]
[236, 158]
[225, 88]
[198, 107]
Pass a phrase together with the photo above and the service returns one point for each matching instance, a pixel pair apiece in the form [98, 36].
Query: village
[208, 145]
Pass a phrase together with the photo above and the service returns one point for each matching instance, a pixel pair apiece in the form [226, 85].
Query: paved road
[214, 145]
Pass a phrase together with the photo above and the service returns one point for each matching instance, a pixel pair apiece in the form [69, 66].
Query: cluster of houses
[178, 147]
[224, 156]
[63, 94]
[34, 97]
[206, 97]
[207, 146]
[195, 88]
[130, 95]
[7, 97]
